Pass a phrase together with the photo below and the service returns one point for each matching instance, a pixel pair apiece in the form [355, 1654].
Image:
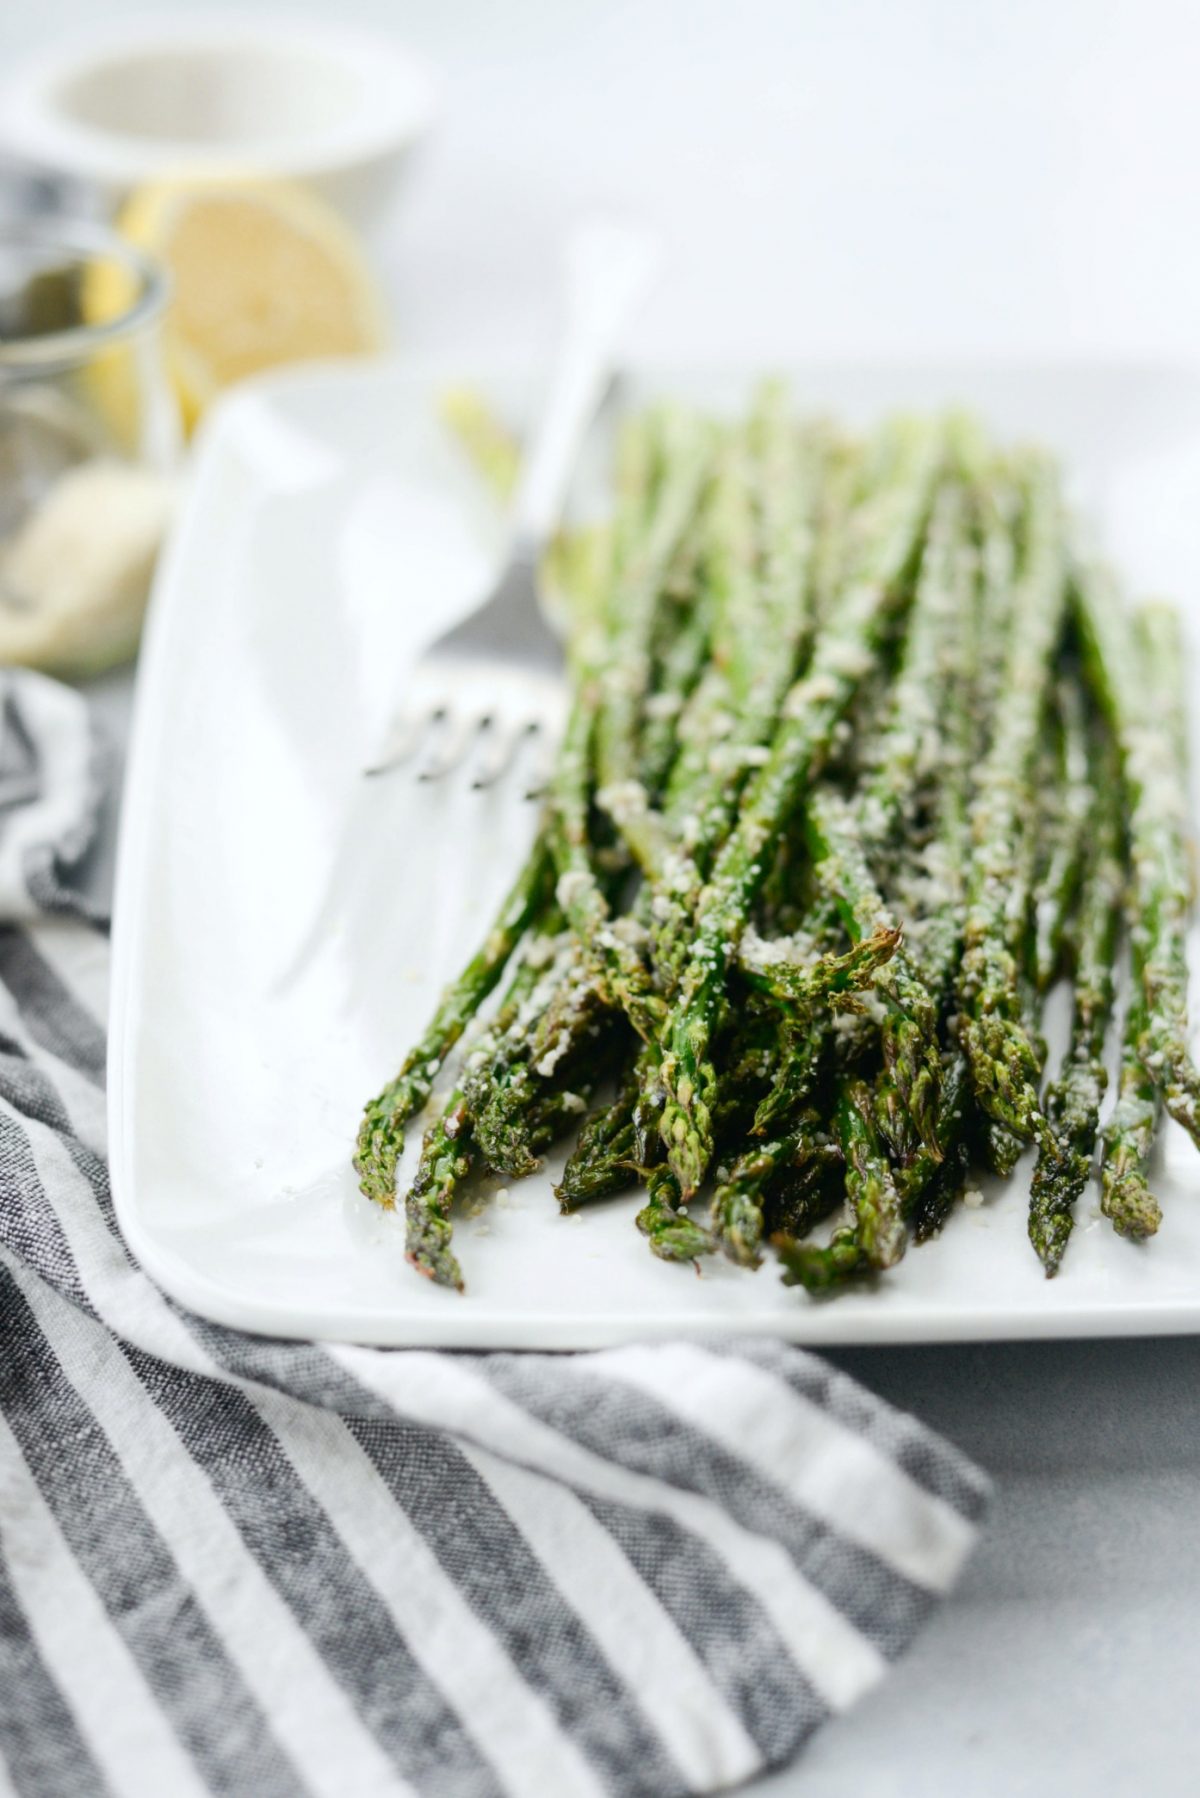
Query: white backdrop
[999, 175]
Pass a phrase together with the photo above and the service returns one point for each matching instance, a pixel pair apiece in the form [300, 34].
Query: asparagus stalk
[1072, 1102]
[1155, 769]
[757, 634]
[783, 1128]
[737, 1206]
[447, 1157]
[575, 1011]
[803, 1152]
[1150, 734]
[761, 572]
[842, 655]
[928, 1188]
[448, 1151]
[1067, 805]
[672, 1234]
[806, 1189]
[1128, 1137]
[604, 1159]
[909, 1025]
[911, 748]
[625, 678]
[771, 968]
[821, 1269]
[603, 733]
[870, 1187]
[486, 440]
[681, 670]
[913, 743]
[613, 958]
[381, 1135]
[806, 1041]
[1004, 1059]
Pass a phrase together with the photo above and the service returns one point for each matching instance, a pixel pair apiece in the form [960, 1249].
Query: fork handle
[609, 268]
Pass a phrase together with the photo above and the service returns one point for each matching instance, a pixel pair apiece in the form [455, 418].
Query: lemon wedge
[264, 273]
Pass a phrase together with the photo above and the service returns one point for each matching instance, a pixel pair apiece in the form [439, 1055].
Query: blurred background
[1009, 175]
[1006, 180]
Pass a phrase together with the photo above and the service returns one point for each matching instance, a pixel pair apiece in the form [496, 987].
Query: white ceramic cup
[339, 110]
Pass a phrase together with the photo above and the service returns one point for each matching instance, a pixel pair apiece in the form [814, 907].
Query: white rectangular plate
[283, 926]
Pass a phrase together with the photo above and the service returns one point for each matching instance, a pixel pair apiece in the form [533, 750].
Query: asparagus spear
[806, 1041]
[759, 630]
[603, 731]
[807, 1189]
[447, 1156]
[773, 969]
[381, 1135]
[914, 1174]
[1155, 770]
[1067, 806]
[870, 1187]
[762, 615]
[928, 1188]
[820, 1269]
[782, 1122]
[1154, 755]
[616, 963]
[793, 1165]
[490, 445]
[575, 1010]
[842, 654]
[912, 743]
[1004, 1060]
[737, 1206]
[1128, 1136]
[1072, 1102]
[448, 1151]
[681, 669]
[977, 635]
[909, 1025]
[672, 1234]
[911, 747]
[684, 447]
[757, 634]
[605, 1156]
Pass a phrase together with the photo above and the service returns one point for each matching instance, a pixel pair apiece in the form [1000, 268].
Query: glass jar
[89, 437]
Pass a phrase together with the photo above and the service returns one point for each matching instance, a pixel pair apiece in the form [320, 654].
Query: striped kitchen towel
[266, 1568]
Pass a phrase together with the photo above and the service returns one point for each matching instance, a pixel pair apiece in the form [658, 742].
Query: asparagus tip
[820, 1269]
[442, 1268]
[1130, 1206]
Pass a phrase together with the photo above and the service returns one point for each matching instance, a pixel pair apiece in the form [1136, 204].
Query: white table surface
[1008, 177]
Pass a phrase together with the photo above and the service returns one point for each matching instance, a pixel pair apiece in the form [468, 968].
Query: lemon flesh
[263, 274]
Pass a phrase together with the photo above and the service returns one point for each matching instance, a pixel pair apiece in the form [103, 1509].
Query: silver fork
[494, 681]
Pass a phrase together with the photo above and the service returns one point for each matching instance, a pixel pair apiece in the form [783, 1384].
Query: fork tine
[404, 739]
[450, 745]
[500, 753]
[539, 774]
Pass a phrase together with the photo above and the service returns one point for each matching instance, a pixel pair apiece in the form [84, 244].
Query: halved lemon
[264, 273]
